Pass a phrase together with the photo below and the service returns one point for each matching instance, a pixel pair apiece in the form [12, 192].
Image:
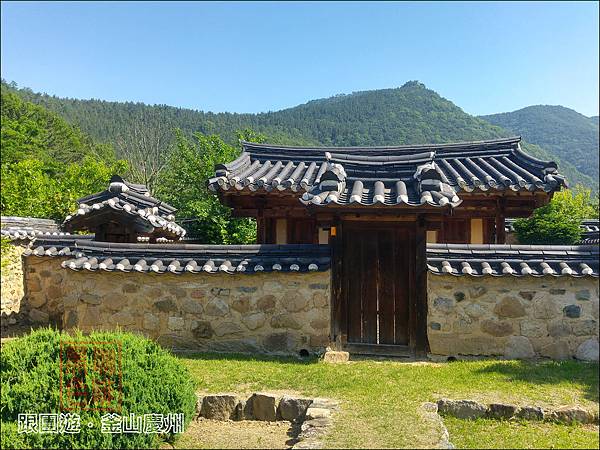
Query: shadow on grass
[214, 356]
[550, 372]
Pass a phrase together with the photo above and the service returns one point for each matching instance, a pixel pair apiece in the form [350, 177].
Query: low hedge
[150, 381]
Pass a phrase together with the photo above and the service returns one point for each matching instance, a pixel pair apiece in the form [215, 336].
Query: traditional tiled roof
[515, 260]
[181, 258]
[51, 245]
[442, 259]
[389, 176]
[126, 199]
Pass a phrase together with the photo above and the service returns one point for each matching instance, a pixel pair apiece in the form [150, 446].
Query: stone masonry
[273, 312]
[12, 280]
[525, 317]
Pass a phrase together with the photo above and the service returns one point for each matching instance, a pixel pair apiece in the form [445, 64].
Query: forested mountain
[31, 131]
[562, 131]
[411, 114]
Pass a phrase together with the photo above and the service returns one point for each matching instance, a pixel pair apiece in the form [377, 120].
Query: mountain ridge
[561, 130]
[410, 114]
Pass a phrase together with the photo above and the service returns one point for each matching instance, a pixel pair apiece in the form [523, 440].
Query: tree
[559, 221]
[183, 185]
[146, 146]
[30, 188]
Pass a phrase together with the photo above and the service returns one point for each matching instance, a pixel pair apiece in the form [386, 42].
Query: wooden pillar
[500, 222]
[261, 229]
[419, 344]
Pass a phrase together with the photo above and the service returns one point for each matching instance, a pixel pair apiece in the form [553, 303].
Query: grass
[381, 400]
[488, 433]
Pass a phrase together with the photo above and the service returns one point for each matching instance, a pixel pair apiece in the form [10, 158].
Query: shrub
[559, 221]
[153, 381]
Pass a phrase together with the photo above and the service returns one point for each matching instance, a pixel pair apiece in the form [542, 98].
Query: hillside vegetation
[411, 114]
[47, 163]
[571, 136]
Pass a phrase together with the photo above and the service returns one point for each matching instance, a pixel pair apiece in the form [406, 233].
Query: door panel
[375, 285]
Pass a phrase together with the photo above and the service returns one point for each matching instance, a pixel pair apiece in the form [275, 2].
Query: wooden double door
[378, 285]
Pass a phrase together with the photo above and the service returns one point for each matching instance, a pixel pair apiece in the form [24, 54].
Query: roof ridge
[509, 140]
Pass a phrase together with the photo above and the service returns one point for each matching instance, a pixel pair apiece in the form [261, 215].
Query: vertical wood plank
[402, 288]
[353, 259]
[369, 286]
[386, 277]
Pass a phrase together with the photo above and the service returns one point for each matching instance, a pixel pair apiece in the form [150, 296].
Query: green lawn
[381, 400]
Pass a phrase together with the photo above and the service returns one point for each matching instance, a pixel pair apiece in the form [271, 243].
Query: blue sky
[251, 57]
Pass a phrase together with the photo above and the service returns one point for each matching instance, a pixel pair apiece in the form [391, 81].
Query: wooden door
[376, 285]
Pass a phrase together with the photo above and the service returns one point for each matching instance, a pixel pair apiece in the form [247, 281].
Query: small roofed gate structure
[125, 212]
[377, 207]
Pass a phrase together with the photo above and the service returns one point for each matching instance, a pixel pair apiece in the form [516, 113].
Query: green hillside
[411, 114]
[562, 131]
[31, 131]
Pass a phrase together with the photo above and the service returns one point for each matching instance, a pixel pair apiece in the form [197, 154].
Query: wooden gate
[377, 286]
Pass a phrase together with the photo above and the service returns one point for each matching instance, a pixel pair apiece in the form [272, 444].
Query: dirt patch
[204, 433]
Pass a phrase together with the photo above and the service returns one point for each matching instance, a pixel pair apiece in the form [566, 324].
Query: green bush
[559, 221]
[153, 382]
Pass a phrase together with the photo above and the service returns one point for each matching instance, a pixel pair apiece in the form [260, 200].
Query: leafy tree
[183, 185]
[559, 221]
[30, 188]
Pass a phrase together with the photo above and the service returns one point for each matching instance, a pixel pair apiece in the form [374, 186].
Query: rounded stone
[518, 347]
[572, 311]
[285, 321]
[459, 296]
[477, 291]
[91, 299]
[242, 304]
[583, 295]
[319, 324]
[175, 323]
[203, 330]
[496, 328]
[37, 316]
[474, 310]
[443, 305]
[151, 322]
[192, 306]
[227, 328]
[295, 302]
[509, 307]
[559, 328]
[545, 308]
[319, 300]
[585, 327]
[254, 321]
[588, 350]
[165, 305]
[558, 350]
[216, 307]
[129, 288]
[35, 301]
[122, 318]
[533, 328]
[266, 303]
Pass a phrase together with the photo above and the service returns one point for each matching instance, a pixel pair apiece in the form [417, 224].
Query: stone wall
[272, 312]
[513, 317]
[12, 279]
